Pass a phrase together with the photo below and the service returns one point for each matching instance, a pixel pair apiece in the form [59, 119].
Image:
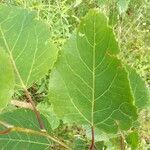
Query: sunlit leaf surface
[26, 40]
[89, 85]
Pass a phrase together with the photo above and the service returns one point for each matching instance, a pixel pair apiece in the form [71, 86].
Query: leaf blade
[88, 76]
[26, 40]
[139, 89]
[6, 79]
[17, 140]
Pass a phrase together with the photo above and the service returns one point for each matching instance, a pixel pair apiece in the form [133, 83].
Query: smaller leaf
[99, 135]
[6, 79]
[23, 141]
[123, 5]
[133, 140]
[139, 89]
[100, 145]
[79, 144]
[49, 114]
[27, 41]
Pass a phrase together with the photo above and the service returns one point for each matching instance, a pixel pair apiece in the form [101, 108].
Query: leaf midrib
[23, 141]
[12, 59]
[93, 77]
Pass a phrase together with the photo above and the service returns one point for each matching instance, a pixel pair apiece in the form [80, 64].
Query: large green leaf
[89, 85]
[26, 40]
[23, 141]
[140, 91]
[6, 79]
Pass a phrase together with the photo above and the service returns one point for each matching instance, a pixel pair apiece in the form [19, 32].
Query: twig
[5, 131]
[92, 142]
[122, 144]
[11, 128]
[35, 110]
[21, 104]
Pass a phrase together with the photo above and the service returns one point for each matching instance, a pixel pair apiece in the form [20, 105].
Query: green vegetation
[74, 74]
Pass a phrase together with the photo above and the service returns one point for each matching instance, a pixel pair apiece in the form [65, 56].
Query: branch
[35, 110]
[21, 104]
[93, 142]
[11, 128]
[122, 144]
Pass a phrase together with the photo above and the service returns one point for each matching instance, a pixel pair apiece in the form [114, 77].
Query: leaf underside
[23, 141]
[122, 4]
[89, 85]
[26, 40]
